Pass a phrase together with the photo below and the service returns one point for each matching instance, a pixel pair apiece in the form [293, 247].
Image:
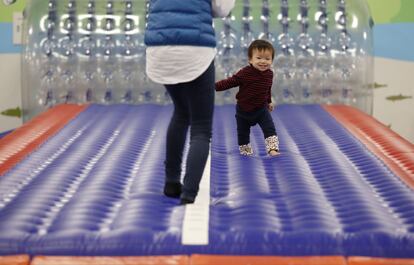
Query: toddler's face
[261, 60]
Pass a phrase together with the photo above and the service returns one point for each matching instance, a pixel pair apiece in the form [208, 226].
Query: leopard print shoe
[246, 149]
[272, 143]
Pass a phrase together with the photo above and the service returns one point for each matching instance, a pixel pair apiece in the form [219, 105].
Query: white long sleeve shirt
[173, 64]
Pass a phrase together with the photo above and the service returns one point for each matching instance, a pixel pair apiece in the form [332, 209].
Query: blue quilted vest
[180, 22]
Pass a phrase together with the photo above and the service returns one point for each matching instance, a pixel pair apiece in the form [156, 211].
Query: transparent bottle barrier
[92, 51]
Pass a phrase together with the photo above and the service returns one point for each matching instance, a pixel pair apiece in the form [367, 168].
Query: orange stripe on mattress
[15, 260]
[266, 260]
[147, 260]
[378, 261]
[22, 141]
[396, 152]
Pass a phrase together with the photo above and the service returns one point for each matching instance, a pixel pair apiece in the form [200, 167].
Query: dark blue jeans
[245, 120]
[193, 108]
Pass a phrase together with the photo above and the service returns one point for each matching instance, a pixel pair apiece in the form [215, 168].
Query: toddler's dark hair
[260, 45]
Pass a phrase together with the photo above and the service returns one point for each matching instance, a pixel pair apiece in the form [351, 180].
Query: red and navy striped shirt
[255, 87]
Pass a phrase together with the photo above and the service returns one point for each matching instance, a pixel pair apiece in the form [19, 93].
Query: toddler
[254, 101]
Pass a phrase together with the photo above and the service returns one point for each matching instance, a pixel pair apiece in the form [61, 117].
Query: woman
[180, 54]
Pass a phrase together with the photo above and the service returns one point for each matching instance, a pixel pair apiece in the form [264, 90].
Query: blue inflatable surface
[95, 188]
[2, 134]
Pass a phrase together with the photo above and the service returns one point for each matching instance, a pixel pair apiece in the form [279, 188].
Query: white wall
[10, 89]
[399, 78]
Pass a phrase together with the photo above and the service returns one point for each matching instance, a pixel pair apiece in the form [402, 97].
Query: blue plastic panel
[95, 188]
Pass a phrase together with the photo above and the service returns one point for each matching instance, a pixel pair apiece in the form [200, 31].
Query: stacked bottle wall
[92, 51]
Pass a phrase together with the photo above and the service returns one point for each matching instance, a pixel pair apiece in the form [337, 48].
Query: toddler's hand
[270, 107]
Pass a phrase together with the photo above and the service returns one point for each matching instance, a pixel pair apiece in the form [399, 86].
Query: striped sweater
[254, 87]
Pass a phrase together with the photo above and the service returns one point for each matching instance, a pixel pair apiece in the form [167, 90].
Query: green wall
[6, 12]
[392, 11]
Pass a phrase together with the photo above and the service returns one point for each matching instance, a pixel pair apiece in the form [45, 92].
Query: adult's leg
[176, 136]
[200, 97]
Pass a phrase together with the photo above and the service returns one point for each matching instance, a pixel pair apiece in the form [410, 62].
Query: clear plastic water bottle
[304, 87]
[285, 87]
